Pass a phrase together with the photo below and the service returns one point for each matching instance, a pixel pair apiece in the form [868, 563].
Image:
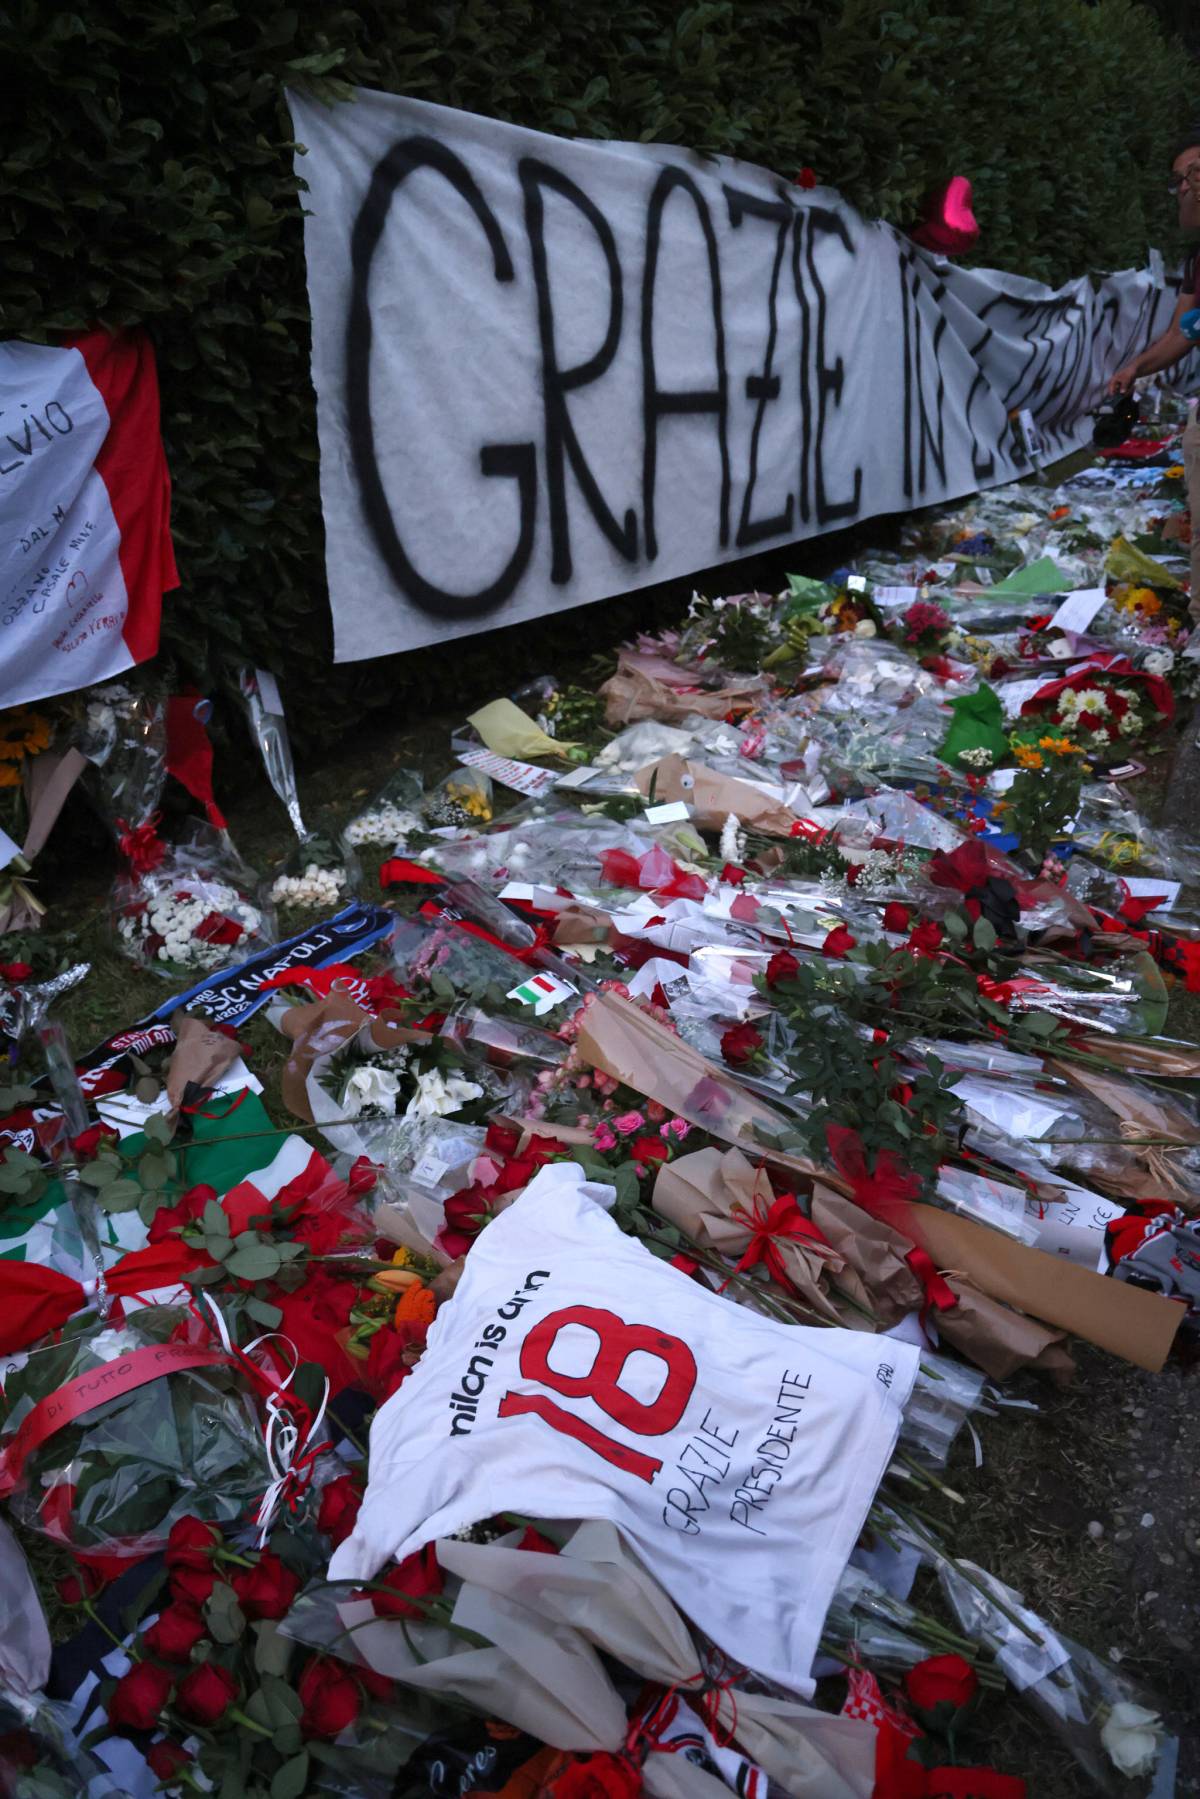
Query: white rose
[865, 628]
[1131, 1736]
[1158, 662]
[370, 1086]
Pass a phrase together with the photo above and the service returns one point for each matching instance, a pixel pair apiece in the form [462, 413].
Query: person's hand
[1123, 380]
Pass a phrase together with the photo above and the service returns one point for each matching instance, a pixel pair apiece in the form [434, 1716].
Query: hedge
[148, 178]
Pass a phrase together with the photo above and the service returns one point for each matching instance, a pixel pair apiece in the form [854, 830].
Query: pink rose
[604, 1139]
[675, 1127]
[628, 1122]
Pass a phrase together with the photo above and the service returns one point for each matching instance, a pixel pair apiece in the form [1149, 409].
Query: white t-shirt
[574, 1375]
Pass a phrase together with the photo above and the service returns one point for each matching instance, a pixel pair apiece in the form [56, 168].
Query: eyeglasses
[1175, 182]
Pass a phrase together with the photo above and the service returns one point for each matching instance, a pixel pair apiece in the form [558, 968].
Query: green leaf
[956, 926]
[158, 1129]
[283, 1702]
[254, 1262]
[984, 934]
[214, 1220]
[120, 1196]
[223, 1615]
[100, 1172]
[269, 1316]
[291, 1781]
[272, 1652]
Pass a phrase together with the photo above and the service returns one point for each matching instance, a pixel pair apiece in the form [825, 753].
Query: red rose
[88, 1142]
[216, 927]
[79, 1587]
[175, 1632]
[340, 1501]
[139, 1697]
[941, 1684]
[534, 1540]
[166, 1759]
[466, 1211]
[387, 1365]
[926, 938]
[649, 1149]
[806, 178]
[330, 1698]
[191, 1543]
[740, 1044]
[598, 1777]
[501, 1139]
[895, 917]
[783, 966]
[15, 971]
[266, 1591]
[192, 1584]
[378, 1685]
[246, 1209]
[732, 874]
[186, 1211]
[515, 1175]
[207, 1693]
[418, 1576]
[839, 942]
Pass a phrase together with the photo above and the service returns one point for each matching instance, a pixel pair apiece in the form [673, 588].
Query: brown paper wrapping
[1157, 1114]
[1138, 1326]
[321, 1028]
[632, 694]
[200, 1057]
[1177, 1061]
[995, 1338]
[712, 796]
[49, 779]
[634, 1048]
[601, 1594]
[703, 1194]
[631, 1046]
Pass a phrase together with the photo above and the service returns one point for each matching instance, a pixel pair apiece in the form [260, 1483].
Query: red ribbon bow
[36, 1300]
[141, 845]
[782, 1220]
[887, 1192]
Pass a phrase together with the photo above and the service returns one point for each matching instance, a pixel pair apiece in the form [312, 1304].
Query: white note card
[1078, 609]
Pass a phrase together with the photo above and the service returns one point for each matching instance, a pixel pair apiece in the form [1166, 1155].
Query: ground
[1089, 1506]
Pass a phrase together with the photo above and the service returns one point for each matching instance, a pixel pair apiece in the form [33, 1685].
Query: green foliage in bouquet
[148, 179]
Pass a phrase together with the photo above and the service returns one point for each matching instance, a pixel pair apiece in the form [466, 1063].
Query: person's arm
[1160, 354]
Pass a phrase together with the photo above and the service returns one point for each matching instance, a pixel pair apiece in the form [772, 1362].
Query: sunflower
[22, 733]
[10, 775]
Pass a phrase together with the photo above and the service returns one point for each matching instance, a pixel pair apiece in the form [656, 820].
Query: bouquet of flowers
[187, 910]
[112, 1474]
[391, 815]
[316, 876]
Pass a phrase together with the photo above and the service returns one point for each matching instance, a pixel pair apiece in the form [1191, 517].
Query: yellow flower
[22, 733]
[401, 1258]
[1175, 473]
[1028, 758]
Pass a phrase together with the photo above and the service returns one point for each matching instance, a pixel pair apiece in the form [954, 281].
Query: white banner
[552, 371]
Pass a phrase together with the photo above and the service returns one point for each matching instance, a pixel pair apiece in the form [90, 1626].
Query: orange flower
[1059, 746]
[10, 775]
[1028, 758]
[22, 733]
[416, 1305]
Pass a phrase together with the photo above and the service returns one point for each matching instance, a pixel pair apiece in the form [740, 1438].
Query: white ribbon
[281, 1435]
